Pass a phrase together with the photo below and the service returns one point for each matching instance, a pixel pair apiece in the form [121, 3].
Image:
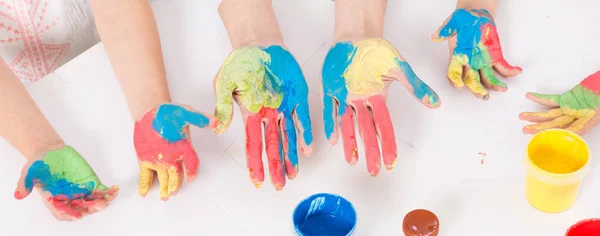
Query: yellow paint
[472, 81]
[559, 122]
[556, 161]
[374, 59]
[455, 70]
[147, 170]
[160, 156]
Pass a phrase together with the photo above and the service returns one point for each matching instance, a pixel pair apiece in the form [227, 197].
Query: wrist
[489, 5]
[41, 151]
[359, 19]
[250, 23]
[148, 105]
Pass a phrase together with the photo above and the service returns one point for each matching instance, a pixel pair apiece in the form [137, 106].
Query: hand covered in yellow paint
[268, 85]
[578, 108]
[356, 76]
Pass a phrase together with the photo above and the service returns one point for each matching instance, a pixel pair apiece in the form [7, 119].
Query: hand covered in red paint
[162, 142]
[475, 52]
[578, 108]
[356, 76]
[67, 183]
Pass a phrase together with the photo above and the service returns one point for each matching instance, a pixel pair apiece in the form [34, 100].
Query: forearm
[489, 5]
[250, 23]
[22, 123]
[130, 36]
[359, 19]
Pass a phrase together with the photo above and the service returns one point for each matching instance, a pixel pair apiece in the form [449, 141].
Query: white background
[439, 168]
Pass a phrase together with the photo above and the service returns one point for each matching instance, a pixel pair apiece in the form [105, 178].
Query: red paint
[149, 144]
[254, 149]
[366, 128]
[492, 42]
[276, 168]
[18, 195]
[588, 227]
[482, 161]
[592, 82]
[349, 136]
[482, 153]
[385, 130]
[62, 207]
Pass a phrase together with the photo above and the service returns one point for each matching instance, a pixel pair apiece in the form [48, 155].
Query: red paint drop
[18, 195]
[588, 227]
[482, 161]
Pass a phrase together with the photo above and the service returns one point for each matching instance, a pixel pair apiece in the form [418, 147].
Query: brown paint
[420, 223]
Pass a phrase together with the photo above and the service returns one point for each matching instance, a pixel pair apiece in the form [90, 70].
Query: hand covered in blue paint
[68, 184]
[268, 86]
[162, 142]
[356, 76]
[476, 52]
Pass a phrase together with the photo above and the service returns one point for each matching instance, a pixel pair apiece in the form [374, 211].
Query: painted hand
[476, 50]
[356, 76]
[577, 108]
[162, 142]
[268, 85]
[67, 183]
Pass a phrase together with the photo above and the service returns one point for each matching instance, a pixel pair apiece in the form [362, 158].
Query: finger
[489, 79]
[539, 117]
[88, 207]
[583, 124]
[473, 82]
[254, 149]
[198, 118]
[62, 210]
[455, 71]
[349, 136]
[107, 195]
[272, 144]
[191, 162]
[290, 152]
[304, 127]
[330, 110]
[419, 89]
[26, 182]
[368, 136]
[446, 30]
[492, 43]
[559, 122]
[385, 130]
[146, 178]
[163, 180]
[175, 172]
[544, 99]
[224, 103]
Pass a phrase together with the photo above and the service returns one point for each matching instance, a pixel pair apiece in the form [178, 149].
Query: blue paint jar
[324, 214]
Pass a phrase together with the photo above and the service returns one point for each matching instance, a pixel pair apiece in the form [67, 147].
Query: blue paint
[171, 119]
[285, 77]
[324, 214]
[336, 63]
[55, 184]
[420, 89]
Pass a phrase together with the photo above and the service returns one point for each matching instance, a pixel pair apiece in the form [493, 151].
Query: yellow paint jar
[556, 162]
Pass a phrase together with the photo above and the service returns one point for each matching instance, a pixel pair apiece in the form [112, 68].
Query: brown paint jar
[420, 223]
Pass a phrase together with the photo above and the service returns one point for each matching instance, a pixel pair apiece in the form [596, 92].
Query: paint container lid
[589, 227]
[420, 223]
[324, 214]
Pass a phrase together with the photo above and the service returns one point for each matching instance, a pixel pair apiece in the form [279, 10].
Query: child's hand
[475, 49]
[67, 183]
[356, 75]
[161, 139]
[268, 86]
[577, 108]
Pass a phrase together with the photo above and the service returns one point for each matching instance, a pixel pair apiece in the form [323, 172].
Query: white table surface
[439, 167]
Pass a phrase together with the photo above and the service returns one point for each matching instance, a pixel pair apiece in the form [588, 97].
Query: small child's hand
[356, 76]
[162, 142]
[67, 183]
[269, 87]
[578, 108]
[476, 52]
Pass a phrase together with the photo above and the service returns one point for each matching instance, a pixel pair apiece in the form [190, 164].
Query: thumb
[419, 89]
[446, 30]
[224, 104]
[199, 119]
[25, 183]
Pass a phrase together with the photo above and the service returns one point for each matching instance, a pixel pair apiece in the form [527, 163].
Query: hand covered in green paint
[475, 52]
[68, 185]
[268, 85]
[356, 76]
[578, 108]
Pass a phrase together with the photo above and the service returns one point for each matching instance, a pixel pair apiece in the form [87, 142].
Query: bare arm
[359, 19]
[130, 36]
[250, 23]
[22, 123]
[489, 5]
